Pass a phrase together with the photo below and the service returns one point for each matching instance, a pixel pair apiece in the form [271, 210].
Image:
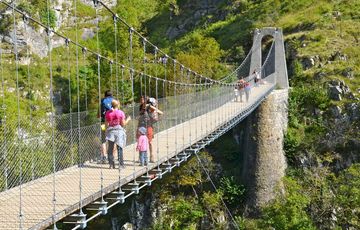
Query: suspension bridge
[49, 165]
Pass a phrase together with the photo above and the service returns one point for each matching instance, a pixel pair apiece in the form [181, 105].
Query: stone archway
[280, 62]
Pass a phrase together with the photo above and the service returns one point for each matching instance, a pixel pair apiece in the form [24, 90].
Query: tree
[289, 211]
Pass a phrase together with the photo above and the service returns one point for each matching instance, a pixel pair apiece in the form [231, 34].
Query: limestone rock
[127, 226]
[353, 110]
[109, 3]
[335, 111]
[308, 62]
[335, 93]
[348, 72]
[320, 75]
[338, 56]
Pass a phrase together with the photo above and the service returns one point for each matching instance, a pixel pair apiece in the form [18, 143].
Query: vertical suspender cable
[78, 112]
[175, 106]
[144, 63]
[202, 105]
[67, 43]
[111, 77]
[49, 31]
[3, 122]
[25, 20]
[195, 102]
[189, 109]
[84, 51]
[115, 18]
[141, 84]
[18, 152]
[99, 93]
[157, 127]
[131, 30]
[122, 85]
[184, 103]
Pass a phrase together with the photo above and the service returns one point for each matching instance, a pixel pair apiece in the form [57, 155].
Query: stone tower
[264, 158]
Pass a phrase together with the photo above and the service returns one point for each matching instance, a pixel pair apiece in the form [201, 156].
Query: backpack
[105, 106]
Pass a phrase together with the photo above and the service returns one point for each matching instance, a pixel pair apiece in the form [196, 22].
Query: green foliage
[201, 54]
[289, 211]
[48, 17]
[183, 214]
[292, 142]
[348, 197]
[233, 192]
[192, 174]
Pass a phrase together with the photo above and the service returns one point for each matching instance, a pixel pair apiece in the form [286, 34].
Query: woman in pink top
[115, 120]
[142, 146]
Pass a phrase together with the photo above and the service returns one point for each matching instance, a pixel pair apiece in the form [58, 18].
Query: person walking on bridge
[241, 85]
[115, 132]
[247, 88]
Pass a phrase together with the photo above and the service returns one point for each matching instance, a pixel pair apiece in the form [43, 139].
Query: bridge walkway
[67, 181]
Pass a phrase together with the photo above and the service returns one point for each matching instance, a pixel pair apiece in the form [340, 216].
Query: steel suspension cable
[67, 44]
[111, 77]
[144, 63]
[183, 114]
[99, 95]
[25, 21]
[132, 94]
[157, 127]
[48, 5]
[78, 111]
[3, 121]
[84, 52]
[19, 139]
[122, 84]
[116, 59]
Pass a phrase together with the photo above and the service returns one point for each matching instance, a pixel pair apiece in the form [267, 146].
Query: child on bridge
[142, 146]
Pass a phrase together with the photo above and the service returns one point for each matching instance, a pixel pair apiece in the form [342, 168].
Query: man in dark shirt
[105, 106]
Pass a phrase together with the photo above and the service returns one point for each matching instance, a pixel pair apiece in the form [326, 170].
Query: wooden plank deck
[37, 196]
